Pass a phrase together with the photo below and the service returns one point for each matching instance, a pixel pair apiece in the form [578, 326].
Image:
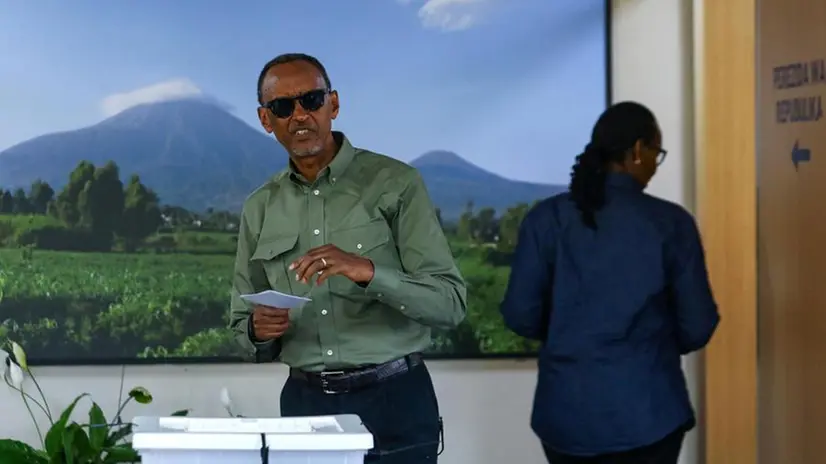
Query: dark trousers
[401, 412]
[665, 451]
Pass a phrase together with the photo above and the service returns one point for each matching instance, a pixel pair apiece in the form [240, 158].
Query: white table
[290, 440]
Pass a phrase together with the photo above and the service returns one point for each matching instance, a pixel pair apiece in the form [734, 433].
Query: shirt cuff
[385, 282]
[261, 345]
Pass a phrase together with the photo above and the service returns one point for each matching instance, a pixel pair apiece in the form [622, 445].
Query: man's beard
[310, 151]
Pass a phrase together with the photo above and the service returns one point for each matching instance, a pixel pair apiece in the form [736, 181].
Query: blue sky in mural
[512, 86]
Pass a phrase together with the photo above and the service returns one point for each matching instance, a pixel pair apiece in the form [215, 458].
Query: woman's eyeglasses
[661, 154]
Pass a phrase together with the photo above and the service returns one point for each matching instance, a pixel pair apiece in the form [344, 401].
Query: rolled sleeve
[429, 288]
[248, 277]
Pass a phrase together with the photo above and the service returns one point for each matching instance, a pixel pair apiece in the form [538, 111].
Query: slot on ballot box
[340, 439]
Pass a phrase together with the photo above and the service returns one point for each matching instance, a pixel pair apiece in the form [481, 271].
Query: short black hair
[290, 58]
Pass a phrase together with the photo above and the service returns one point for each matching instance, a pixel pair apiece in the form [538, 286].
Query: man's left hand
[329, 260]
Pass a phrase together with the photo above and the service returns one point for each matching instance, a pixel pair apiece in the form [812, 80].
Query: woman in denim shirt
[613, 282]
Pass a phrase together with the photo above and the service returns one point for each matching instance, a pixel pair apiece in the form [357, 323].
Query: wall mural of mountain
[453, 182]
[197, 155]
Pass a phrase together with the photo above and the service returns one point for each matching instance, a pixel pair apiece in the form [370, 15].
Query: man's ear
[264, 118]
[334, 104]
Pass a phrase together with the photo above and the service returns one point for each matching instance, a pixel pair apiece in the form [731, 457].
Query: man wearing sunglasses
[356, 232]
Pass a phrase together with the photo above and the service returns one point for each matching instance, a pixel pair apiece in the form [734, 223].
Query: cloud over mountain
[173, 89]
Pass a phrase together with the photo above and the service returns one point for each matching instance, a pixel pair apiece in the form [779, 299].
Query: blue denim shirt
[615, 309]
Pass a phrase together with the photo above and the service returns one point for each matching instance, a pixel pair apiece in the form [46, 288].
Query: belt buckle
[325, 386]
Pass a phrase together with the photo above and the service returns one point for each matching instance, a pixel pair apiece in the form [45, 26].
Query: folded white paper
[275, 299]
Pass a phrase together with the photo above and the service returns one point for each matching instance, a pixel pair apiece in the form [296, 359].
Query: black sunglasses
[283, 107]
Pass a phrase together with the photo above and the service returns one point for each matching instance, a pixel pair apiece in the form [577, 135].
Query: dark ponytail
[588, 184]
[614, 135]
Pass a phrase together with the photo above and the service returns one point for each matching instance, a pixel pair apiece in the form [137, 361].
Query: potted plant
[98, 441]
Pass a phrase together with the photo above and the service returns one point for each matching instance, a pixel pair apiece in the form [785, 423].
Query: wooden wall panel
[726, 208]
[792, 231]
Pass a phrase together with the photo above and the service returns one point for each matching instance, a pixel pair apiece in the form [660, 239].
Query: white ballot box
[286, 440]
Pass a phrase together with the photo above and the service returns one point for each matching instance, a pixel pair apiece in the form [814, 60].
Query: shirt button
[401, 307]
[380, 295]
[316, 232]
[358, 246]
[324, 312]
[329, 352]
[333, 180]
[316, 192]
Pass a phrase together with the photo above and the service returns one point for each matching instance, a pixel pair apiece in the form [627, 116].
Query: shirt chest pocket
[372, 240]
[275, 254]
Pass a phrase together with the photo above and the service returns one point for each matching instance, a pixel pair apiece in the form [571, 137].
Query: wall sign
[799, 108]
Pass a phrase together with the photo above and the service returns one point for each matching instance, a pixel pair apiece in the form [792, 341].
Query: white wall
[654, 62]
[486, 404]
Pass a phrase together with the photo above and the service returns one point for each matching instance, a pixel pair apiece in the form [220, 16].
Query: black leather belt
[343, 381]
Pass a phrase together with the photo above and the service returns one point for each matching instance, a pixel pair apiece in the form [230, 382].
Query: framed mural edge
[58, 296]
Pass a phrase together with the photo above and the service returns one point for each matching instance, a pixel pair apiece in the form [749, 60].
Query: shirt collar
[344, 156]
[624, 180]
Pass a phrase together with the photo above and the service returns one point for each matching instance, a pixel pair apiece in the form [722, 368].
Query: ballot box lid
[316, 433]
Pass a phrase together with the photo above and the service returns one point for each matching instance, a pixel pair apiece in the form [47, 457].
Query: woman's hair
[614, 134]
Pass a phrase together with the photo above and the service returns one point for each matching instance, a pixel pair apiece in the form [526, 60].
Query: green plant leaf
[76, 447]
[181, 413]
[98, 428]
[120, 454]
[117, 433]
[141, 395]
[54, 437]
[17, 452]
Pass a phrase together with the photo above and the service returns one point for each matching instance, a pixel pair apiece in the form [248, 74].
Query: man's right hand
[269, 323]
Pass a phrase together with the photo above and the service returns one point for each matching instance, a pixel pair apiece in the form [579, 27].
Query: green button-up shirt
[363, 203]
